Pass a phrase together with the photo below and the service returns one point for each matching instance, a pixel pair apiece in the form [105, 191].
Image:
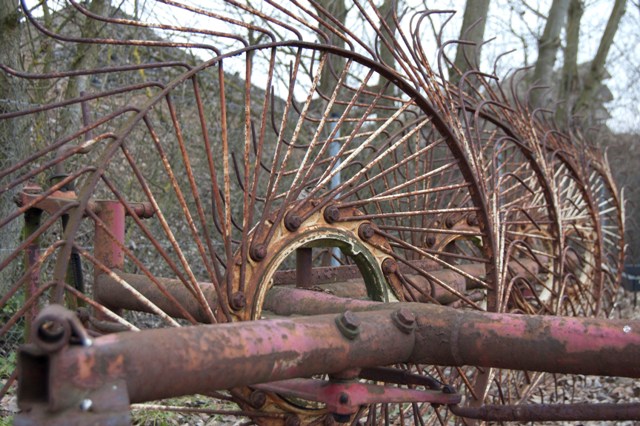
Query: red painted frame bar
[161, 363]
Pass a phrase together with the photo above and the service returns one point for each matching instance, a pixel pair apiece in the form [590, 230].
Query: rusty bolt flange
[448, 389]
[258, 252]
[451, 221]
[389, 266]
[349, 325]
[472, 220]
[292, 420]
[331, 214]
[292, 221]
[257, 399]
[366, 231]
[404, 319]
[238, 301]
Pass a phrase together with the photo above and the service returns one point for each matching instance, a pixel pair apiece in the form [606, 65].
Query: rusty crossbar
[58, 377]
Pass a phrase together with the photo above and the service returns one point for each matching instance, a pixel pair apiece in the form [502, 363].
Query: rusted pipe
[287, 301]
[115, 296]
[549, 412]
[593, 346]
[339, 296]
[108, 251]
[203, 358]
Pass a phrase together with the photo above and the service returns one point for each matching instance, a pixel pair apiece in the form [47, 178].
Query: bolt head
[472, 220]
[350, 320]
[257, 399]
[389, 266]
[238, 300]
[450, 221]
[344, 398]
[405, 320]
[406, 317]
[292, 222]
[366, 231]
[349, 325]
[331, 214]
[258, 252]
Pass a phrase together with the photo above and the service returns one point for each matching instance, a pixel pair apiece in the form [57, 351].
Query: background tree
[596, 73]
[12, 98]
[569, 85]
[472, 34]
[548, 46]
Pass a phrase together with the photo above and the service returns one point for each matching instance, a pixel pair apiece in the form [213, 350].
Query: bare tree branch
[548, 47]
[569, 85]
[593, 80]
[473, 24]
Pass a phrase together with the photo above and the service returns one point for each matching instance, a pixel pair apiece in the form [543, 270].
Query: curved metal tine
[165, 27]
[89, 40]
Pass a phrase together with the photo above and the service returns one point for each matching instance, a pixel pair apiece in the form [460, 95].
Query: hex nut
[404, 319]
[349, 325]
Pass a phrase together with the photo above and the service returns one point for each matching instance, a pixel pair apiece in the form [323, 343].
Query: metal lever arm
[347, 397]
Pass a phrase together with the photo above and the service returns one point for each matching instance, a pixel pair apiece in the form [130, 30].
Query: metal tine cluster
[248, 146]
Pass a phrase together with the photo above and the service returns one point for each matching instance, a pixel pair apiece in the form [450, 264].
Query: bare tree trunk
[10, 88]
[388, 12]
[473, 24]
[548, 48]
[569, 85]
[332, 69]
[593, 80]
[12, 141]
[386, 45]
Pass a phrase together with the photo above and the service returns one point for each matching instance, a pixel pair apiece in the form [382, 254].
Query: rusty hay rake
[292, 212]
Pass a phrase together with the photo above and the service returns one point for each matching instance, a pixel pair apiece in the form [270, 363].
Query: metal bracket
[42, 399]
[346, 397]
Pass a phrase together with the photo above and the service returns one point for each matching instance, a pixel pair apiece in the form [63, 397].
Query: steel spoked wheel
[280, 172]
[526, 229]
[610, 214]
[195, 210]
[581, 287]
[528, 238]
